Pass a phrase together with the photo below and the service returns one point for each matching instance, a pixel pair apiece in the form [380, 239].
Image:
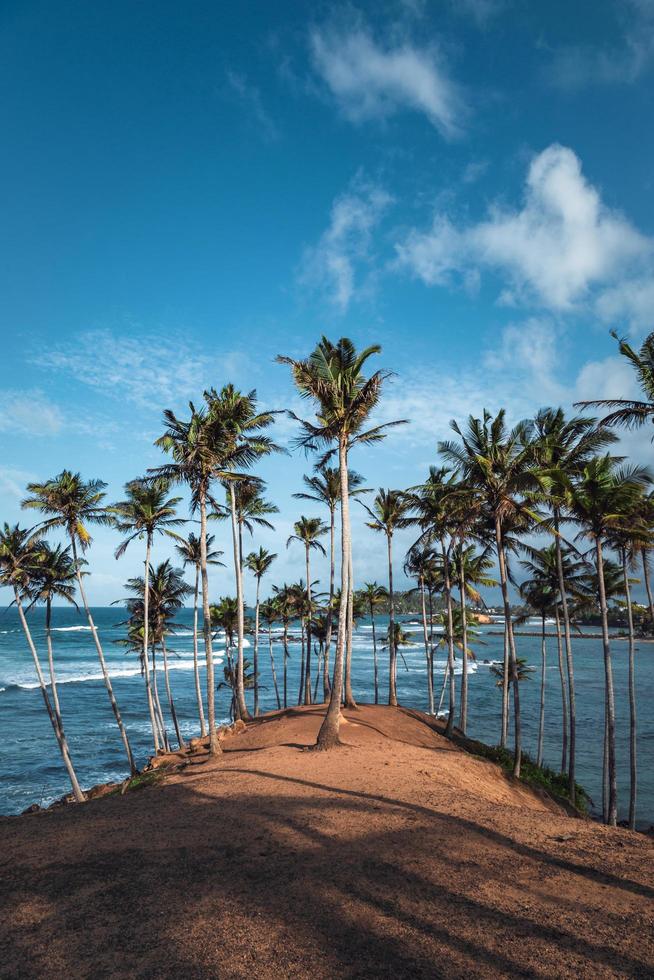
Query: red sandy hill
[398, 855]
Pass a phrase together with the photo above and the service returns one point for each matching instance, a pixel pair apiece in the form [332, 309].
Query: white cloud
[633, 299]
[481, 11]
[250, 96]
[560, 244]
[331, 265]
[13, 481]
[29, 413]
[370, 81]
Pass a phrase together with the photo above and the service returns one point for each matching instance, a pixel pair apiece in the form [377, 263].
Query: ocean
[30, 766]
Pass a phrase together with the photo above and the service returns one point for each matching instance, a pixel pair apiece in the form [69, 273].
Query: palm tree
[244, 442]
[374, 595]
[73, 504]
[601, 501]
[325, 487]
[561, 448]
[190, 551]
[168, 594]
[224, 614]
[270, 615]
[332, 377]
[258, 563]
[146, 510]
[419, 562]
[388, 514]
[307, 531]
[285, 605]
[628, 412]
[21, 556]
[541, 598]
[522, 672]
[497, 462]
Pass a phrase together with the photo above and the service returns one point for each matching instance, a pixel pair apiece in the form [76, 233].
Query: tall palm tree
[419, 562]
[561, 447]
[324, 487]
[270, 615]
[332, 377]
[20, 557]
[190, 551]
[258, 562]
[541, 599]
[225, 614]
[72, 504]
[388, 514]
[146, 510]
[242, 433]
[601, 501]
[374, 595]
[308, 530]
[497, 461]
[285, 603]
[252, 509]
[168, 594]
[627, 412]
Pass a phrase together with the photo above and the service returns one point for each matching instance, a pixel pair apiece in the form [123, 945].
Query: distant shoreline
[575, 636]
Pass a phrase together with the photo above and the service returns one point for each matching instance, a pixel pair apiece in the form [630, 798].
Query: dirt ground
[397, 855]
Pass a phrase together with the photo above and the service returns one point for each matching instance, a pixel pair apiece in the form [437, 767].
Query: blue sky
[189, 190]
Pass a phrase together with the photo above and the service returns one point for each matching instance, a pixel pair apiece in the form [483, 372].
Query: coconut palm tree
[147, 510]
[72, 504]
[388, 514]
[561, 447]
[419, 562]
[373, 596]
[307, 531]
[190, 551]
[324, 487]
[242, 434]
[627, 412]
[541, 599]
[601, 501]
[168, 592]
[332, 377]
[252, 509]
[258, 562]
[21, 554]
[270, 614]
[497, 461]
[285, 604]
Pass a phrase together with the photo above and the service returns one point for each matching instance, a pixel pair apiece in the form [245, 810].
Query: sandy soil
[397, 855]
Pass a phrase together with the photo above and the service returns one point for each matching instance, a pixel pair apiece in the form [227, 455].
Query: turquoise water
[30, 766]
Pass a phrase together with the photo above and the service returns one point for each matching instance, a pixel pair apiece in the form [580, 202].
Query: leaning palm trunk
[648, 588]
[564, 695]
[55, 718]
[504, 736]
[569, 661]
[374, 653]
[307, 671]
[318, 662]
[541, 713]
[157, 701]
[256, 652]
[196, 668]
[272, 665]
[285, 664]
[300, 693]
[146, 639]
[171, 702]
[349, 696]
[612, 801]
[633, 772]
[392, 658]
[447, 588]
[243, 712]
[326, 686]
[214, 744]
[430, 686]
[328, 734]
[463, 719]
[103, 665]
[512, 665]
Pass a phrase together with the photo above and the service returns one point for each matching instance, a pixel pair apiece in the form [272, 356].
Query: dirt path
[397, 855]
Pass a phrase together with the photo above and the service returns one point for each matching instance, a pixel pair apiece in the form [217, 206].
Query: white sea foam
[69, 629]
[114, 672]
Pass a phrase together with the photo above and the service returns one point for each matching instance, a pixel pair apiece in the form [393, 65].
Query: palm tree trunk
[564, 695]
[157, 701]
[171, 702]
[146, 639]
[318, 662]
[504, 735]
[328, 736]
[447, 588]
[196, 668]
[214, 744]
[648, 587]
[431, 636]
[392, 655]
[272, 665]
[349, 696]
[541, 713]
[300, 693]
[55, 716]
[463, 718]
[243, 712]
[103, 665]
[633, 770]
[285, 664]
[307, 672]
[374, 653]
[513, 667]
[330, 611]
[612, 807]
[569, 661]
[256, 652]
[430, 687]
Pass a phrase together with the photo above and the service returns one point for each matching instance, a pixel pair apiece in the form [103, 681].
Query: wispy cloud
[560, 244]
[13, 481]
[345, 246]
[29, 412]
[482, 12]
[249, 95]
[371, 80]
